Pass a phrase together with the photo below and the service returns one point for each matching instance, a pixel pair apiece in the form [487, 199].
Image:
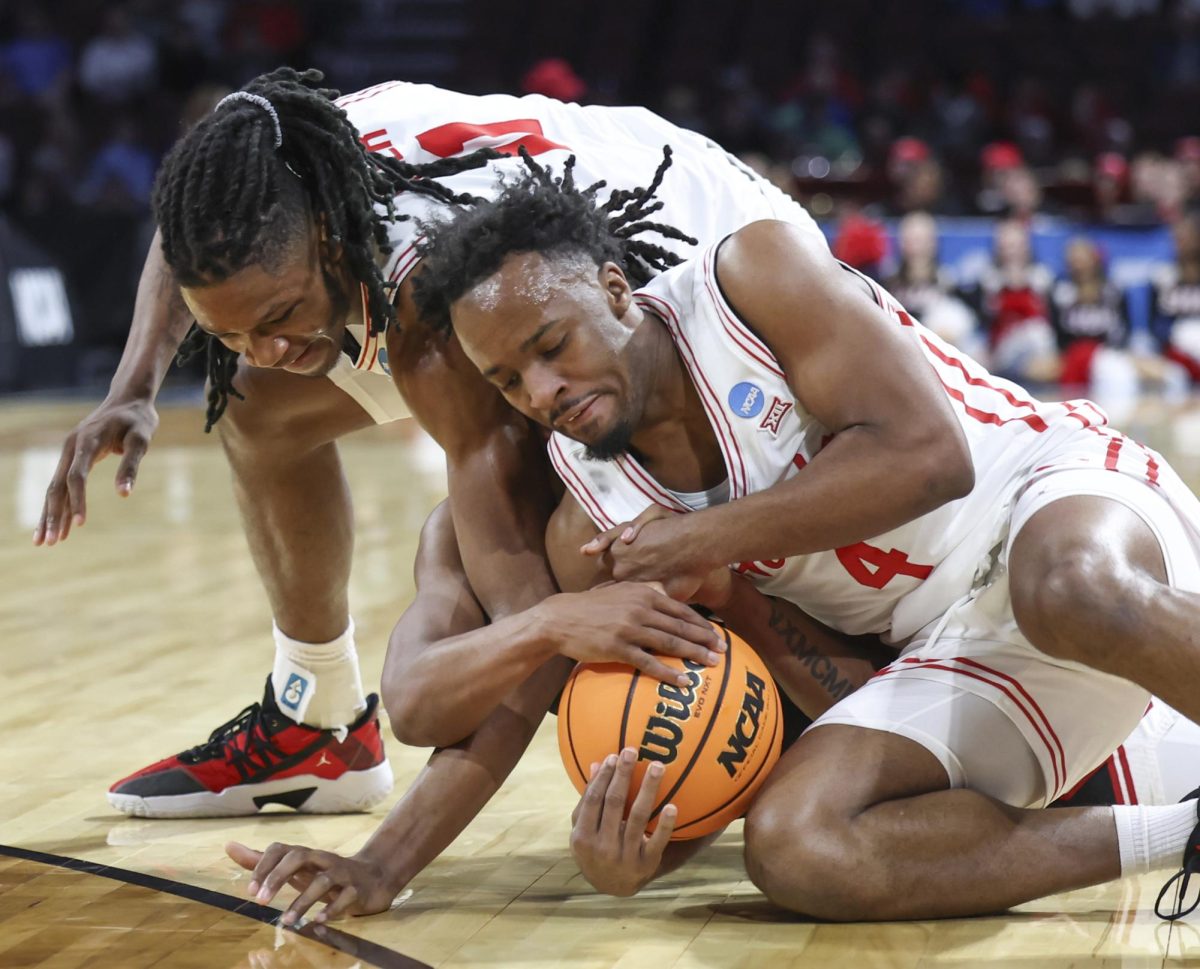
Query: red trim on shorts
[1151, 464]
[1130, 787]
[1110, 457]
[1067, 795]
[1114, 778]
[571, 479]
[1057, 756]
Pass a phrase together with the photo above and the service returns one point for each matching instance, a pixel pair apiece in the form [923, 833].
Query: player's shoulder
[769, 249]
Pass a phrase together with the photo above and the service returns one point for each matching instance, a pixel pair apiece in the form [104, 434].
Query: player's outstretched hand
[616, 855]
[347, 886]
[115, 427]
[629, 622]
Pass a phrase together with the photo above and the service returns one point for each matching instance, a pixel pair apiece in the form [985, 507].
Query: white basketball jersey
[706, 193]
[892, 584]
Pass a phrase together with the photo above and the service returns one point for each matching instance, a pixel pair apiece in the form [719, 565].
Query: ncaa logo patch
[746, 399]
[293, 692]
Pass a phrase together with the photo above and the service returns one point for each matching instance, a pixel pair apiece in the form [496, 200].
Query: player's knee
[808, 860]
[1061, 602]
[269, 414]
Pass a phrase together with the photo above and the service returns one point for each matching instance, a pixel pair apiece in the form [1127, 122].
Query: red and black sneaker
[260, 757]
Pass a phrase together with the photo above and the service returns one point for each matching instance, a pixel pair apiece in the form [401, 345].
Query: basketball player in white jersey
[1036, 570]
[288, 220]
[1154, 766]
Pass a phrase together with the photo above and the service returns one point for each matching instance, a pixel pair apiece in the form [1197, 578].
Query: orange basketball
[717, 738]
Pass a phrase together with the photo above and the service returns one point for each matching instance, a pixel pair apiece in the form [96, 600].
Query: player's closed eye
[552, 352]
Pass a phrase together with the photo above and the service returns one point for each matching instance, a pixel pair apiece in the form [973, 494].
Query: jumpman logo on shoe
[255, 759]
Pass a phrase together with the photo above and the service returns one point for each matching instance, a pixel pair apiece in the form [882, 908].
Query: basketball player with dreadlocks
[763, 404]
[289, 220]
[814, 666]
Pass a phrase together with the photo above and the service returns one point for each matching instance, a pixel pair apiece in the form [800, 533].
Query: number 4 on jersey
[875, 568]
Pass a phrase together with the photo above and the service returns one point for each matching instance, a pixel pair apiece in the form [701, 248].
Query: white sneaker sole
[354, 791]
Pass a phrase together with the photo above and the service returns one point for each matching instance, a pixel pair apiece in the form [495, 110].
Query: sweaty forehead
[528, 281]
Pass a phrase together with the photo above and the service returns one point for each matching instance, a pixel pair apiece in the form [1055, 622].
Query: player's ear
[331, 247]
[616, 285]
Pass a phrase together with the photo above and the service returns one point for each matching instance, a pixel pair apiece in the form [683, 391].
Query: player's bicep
[848, 362]
[498, 477]
[444, 604]
[569, 528]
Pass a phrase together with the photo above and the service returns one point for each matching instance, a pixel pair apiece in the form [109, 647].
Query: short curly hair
[540, 212]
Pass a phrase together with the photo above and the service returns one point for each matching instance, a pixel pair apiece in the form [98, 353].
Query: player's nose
[266, 351]
[544, 388]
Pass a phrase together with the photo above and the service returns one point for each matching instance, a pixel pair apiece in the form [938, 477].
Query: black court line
[370, 952]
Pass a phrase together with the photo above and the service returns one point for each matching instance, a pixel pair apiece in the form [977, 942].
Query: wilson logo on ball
[716, 737]
[663, 733]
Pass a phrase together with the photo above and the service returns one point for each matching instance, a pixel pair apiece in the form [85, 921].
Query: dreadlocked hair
[226, 197]
[541, 212]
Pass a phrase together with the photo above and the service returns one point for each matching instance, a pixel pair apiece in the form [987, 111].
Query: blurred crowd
[92, 95]
[1025, 322]
[886, 120]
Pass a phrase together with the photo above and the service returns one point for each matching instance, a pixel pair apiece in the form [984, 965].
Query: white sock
[318, 683]
[1150, 838]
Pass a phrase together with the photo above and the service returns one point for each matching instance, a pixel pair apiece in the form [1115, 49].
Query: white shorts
[1070, 717]
[375, 393]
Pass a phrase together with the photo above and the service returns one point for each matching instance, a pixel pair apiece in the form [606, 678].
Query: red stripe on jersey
[580, 490]
[1110, 457]
[405, 265]
[652, 489]
[371, 342]
[754, 348]
[1055, 755]
[1130, 788]
[738, 481]
[355, 96]
[953, 361]
[987, 417]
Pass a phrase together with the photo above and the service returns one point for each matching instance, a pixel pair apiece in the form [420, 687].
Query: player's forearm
[501, 501]
[858, 487]
[458, 781]
[160, 322]
[440, 693]
[813, 664]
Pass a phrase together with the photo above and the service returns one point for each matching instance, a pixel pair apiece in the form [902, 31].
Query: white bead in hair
[262, 102]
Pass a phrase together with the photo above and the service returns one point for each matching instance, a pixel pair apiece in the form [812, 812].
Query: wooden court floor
[147, 628]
